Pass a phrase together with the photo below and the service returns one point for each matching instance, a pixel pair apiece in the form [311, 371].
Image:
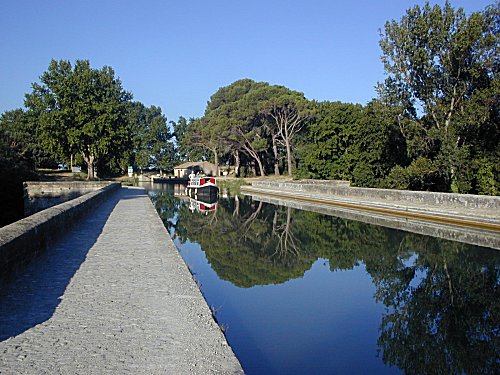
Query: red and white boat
[202, 185]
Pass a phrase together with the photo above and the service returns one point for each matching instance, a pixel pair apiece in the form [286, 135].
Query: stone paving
[112, 297]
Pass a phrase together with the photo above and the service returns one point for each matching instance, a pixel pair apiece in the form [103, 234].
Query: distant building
[184, 169]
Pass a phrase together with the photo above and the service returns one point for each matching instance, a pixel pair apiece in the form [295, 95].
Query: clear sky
[176, 53]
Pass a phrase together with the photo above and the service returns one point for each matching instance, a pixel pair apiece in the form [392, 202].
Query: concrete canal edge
[24, 239]
[215, 355]
[338, 190]
[40, 195]
[479, 215]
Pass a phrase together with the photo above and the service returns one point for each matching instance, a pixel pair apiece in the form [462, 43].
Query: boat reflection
[204, 204]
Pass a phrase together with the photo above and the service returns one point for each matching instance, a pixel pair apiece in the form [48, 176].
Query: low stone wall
[400, 197]
[322, 182]
[22, 240]
[39, 196]
[449, 232]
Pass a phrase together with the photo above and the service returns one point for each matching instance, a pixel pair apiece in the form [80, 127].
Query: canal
[298, 292]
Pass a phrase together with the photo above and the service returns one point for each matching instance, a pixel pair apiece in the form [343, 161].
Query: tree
[17, 163]
[80, 109]
[288, 111]
[442, 70]
[230, 121]
[179, 131]
[21, 137]
[327, 152]
[244, 130]
[201, 133]
[137, 153]
[184, 149]
[162, 148]
[377, 145]
[256, 119]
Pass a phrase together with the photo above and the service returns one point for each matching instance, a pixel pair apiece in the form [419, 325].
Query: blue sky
[175, 54]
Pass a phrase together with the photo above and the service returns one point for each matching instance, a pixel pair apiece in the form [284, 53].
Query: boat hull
[203, 190]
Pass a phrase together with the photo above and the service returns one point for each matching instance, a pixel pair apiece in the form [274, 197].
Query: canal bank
[468, 218]
[112, 296]
[26, 238]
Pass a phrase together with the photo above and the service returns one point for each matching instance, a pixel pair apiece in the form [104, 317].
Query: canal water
[298, 292]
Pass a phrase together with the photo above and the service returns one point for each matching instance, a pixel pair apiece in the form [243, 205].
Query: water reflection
[441, 298]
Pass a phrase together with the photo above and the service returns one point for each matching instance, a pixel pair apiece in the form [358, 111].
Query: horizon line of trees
[434, 125]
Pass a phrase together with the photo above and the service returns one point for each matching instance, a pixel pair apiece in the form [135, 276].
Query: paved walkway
[112, 297]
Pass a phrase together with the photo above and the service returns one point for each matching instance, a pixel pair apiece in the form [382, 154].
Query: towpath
[111, 297]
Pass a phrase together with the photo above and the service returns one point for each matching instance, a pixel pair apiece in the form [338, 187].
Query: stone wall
[41, 195]
[22, 240]
[400, 197]
[449, 232]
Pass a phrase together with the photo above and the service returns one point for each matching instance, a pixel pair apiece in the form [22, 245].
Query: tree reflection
[442, 298]
[443, 310]
[287, 243]
[249, 243]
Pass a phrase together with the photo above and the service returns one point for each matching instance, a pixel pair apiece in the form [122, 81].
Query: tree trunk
[237, 163]
[216, 162]
[255, 156]
[236, 211]
[289, 156]
[90, 170]
[90, 160]
[261, 167]
[276, 160]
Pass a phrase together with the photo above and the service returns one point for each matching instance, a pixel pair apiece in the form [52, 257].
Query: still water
[298, 292]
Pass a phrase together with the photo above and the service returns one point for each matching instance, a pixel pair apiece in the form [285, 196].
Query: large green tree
[18, 153]
[79, 109]
[442, 72]
[326, 152]
[230, 125]
[287, 112]
[160, 140]
[256, 119]
[377, 145]
[207, 135]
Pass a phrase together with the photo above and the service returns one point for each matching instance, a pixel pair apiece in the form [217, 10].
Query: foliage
[80, 110]
[330, 137]
[17, 162]
[184, 151]
[488, 176]
[442, 73]
[287, 112]
[158, 140]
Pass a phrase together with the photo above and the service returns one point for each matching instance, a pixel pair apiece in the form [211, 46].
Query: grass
[231, 184]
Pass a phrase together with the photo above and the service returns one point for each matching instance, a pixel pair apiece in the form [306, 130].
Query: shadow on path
[32, 296]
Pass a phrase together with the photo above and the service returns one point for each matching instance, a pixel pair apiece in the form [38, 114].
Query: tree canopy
[434, 125]
[80, 110]
[442, 73]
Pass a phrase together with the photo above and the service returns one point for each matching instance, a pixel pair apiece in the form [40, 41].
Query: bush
[398, 178]
[487, 184]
